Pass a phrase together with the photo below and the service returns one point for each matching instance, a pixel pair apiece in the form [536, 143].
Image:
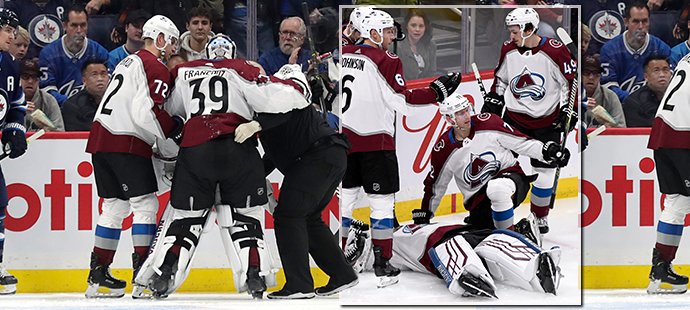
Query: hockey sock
[500, 192]
[386, 245]
[2, 231]
[382, 222]
[254, 259]
[540, 195]
[142, 235]
[105, 244]
[670, 227]
[346, 222]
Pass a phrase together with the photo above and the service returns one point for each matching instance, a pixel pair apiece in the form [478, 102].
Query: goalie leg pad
[241, 230]
[516, 261]
[500, 191]
[459, 266]
[172, 250]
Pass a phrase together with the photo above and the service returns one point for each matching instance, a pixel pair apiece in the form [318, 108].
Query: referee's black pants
[307, 188]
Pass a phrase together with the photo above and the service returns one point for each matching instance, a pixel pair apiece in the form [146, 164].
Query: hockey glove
[493, 103]
[563, 118]
[176, 133]
[246, 131]
[316, 90]
[14, 140]
[445, 85]
[421, 216]
[552, 153]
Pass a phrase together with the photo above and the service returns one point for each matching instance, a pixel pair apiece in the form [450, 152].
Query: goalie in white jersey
[670, 140]
[533, 81]
[478, 152]
[373, 90]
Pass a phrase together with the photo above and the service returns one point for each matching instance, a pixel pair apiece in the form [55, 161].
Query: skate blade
[96, 291]
[8, 289]
[387, 281]
[658, 287]
[141, 292]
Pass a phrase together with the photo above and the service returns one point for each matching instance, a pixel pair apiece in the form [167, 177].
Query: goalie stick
[565, 38]
[33, 137]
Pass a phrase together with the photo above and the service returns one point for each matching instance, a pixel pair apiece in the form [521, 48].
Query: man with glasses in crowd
[291, 37]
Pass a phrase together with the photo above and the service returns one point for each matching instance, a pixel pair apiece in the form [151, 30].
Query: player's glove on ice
[563, 118]
[246, 130]
[493, 103]
[445, 85]
[421, 216]
[14, 140]
[552, 153]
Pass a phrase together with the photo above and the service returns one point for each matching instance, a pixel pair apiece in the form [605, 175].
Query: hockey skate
[358, 243]
[139, 291]
[529, 228]
[256, 286]
[543, 224]
[548, 273]
[101, 284]
[475, 287]
[8, 283]
[385, 272]
[663, 279]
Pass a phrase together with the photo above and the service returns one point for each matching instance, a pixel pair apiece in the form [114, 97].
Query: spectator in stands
[680, 50]
[417, 52]
[641, 106]
[598, 95]
[174, 9]
[291, 38]
[193, 41]
[80, 109]
[38, 99]
[622, 57]
[604, 18]
[20, 45]
[48, 14]
[62, 60]
[133, 23]
[585, 38]
[235, 24]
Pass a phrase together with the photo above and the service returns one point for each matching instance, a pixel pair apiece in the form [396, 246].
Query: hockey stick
[596, 132]
[565, 38]
[33, 137]
[478, 77]
[315, 61]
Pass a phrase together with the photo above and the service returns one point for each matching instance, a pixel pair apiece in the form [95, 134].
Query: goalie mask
[221, 47]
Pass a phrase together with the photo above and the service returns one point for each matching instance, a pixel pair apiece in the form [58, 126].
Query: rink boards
[54, 207]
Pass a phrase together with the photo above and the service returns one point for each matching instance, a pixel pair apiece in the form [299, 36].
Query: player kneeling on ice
[478, 152]
[213, 95]
[467, 259]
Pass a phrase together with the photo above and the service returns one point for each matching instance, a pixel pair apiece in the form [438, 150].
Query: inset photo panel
[461, 185]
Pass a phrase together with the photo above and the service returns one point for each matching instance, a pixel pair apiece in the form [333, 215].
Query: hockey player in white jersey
[532, 81]
[478, 152]
[128, 121]
[670, 140]
[373, 90]
[217, 96]
[470, 261]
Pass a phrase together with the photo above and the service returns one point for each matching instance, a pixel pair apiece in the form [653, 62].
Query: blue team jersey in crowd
[12, 103]
[117, 55]
[623, 67]
[62, 71]
[679, 51]
[43, 22]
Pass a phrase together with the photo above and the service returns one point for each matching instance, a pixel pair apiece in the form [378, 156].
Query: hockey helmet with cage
[377, 20]
[220, 46]
[161, 24]
[454, 103]
[521, 17]
[8, 18]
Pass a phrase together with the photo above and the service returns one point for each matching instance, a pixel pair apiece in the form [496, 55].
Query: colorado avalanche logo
[528, 84]
[439, 145]
[44, 29]
[605, 25]
[481, 169]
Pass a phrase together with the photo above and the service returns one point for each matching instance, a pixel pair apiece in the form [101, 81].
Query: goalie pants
[307, 189]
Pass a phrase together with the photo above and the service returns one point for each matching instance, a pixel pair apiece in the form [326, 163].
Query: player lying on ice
[468, 259]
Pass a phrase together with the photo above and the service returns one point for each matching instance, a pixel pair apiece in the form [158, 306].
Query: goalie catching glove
[445, 85]
[552, 153]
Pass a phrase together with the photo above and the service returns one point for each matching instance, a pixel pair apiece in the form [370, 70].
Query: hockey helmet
[454, 103]
[358, 15]
[521, 17]
[161, 24]
[220, 46]
[8, 18]
[377, 20]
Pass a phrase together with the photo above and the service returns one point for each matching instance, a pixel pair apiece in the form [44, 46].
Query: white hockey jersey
[130, 116]
[483, 155]
[535, 82]
[373, 89]
[671, 127]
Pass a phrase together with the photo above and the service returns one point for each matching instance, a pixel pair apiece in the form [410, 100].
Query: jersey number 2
[119, 79]
[670, 107]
